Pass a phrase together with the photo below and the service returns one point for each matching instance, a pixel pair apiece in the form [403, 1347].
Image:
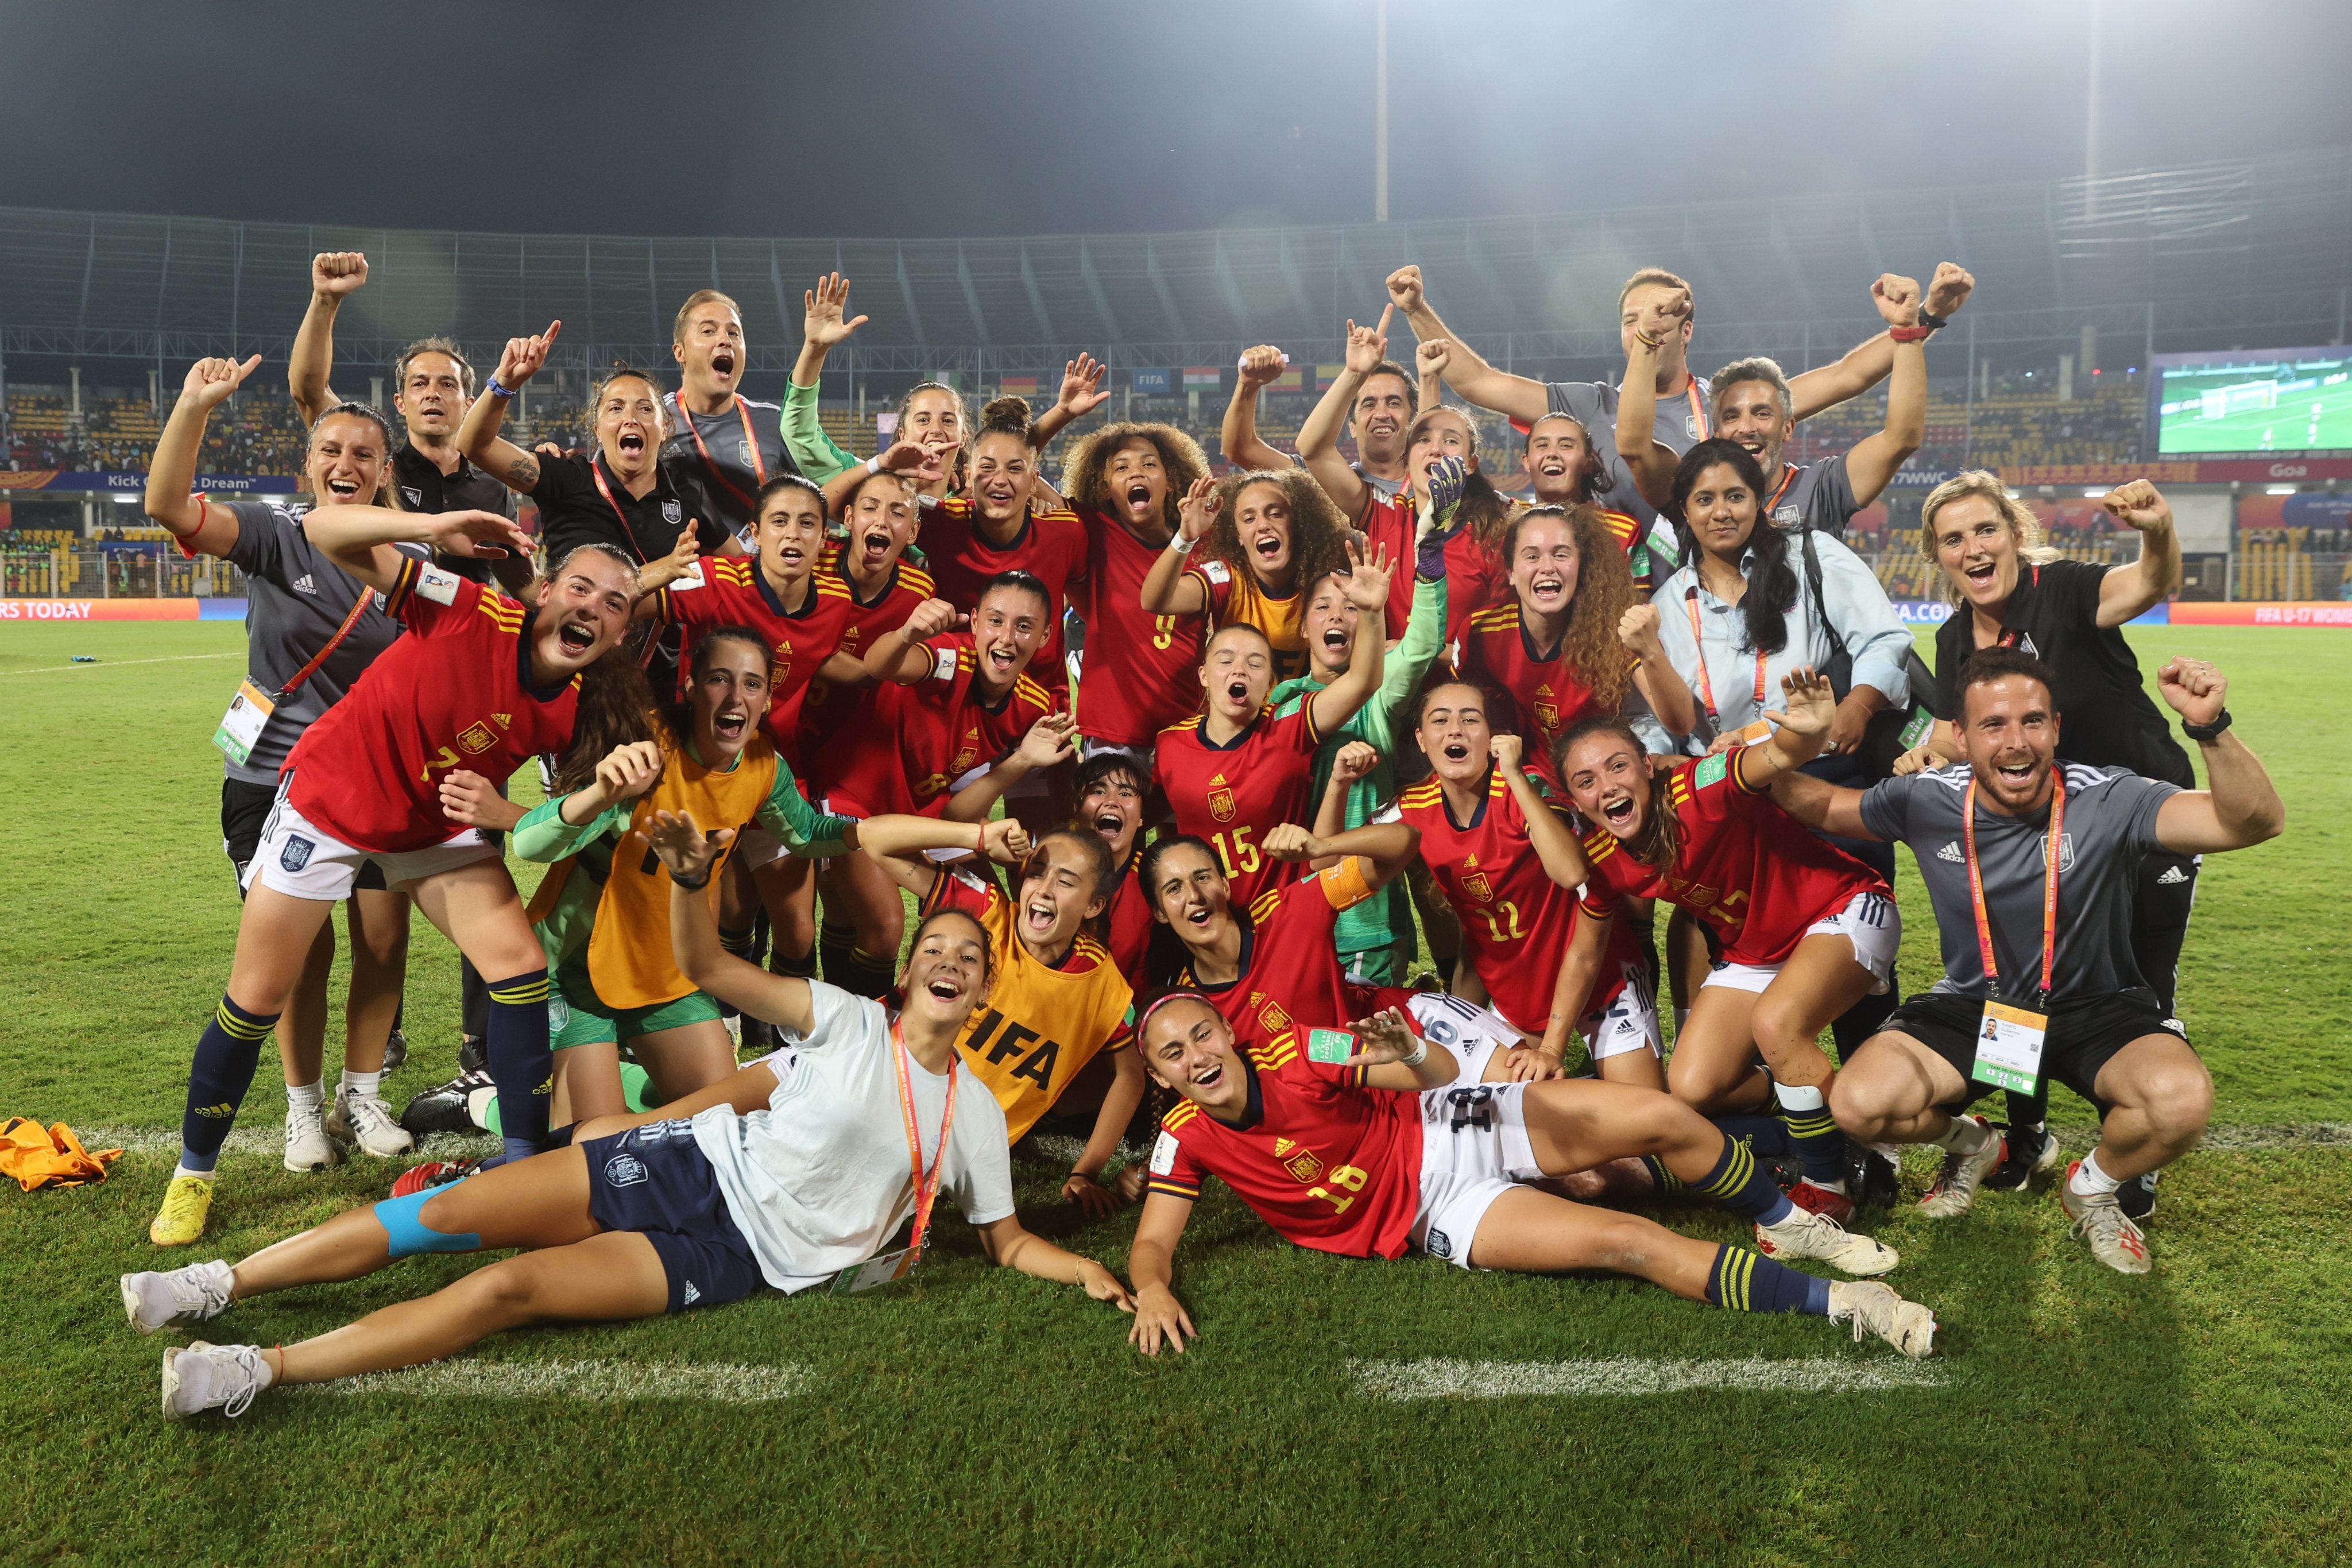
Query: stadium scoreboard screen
[2254, 401]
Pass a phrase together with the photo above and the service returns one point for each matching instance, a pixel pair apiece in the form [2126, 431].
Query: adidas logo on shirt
[303, 584]
[1950, 852]
[2173, 876]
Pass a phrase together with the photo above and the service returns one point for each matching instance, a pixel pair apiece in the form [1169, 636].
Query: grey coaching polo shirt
[723, 488]
[295, 598]
[1816, 495]
[2110, 826]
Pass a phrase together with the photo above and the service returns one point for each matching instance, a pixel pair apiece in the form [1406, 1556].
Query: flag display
[1202, 376]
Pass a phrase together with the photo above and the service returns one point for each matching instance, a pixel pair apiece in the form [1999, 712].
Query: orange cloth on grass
[51, 1156]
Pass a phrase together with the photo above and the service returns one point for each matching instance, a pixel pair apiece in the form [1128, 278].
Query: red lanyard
[1706, 687]
[628, 534]
[927, 1183]
[750, 445]
[2049, 886]
[1787, 478]
[2009, 638]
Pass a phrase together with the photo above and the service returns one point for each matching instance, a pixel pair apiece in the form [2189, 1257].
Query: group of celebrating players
[1180, 769]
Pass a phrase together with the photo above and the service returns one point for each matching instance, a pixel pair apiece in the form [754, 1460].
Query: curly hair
[1318, 533]
[1604, 591]
[1089, 460]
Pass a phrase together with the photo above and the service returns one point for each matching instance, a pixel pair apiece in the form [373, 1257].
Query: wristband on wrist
[874, 463]
[1933, 322]
[1179, 544]
[1420, 1053]
[1646, 341]
[496, 390]
[695, 886]
[1910, 334]
[2204, 734]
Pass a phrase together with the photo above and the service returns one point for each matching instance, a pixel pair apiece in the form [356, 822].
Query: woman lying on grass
[797, 1170]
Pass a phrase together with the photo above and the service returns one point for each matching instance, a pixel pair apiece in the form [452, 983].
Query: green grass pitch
[2193, 1415]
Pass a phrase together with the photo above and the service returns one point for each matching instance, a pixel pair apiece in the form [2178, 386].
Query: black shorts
[653, 1180]
[2084, 1034]
[244, 809]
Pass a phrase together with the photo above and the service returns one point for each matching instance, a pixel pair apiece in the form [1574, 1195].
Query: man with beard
[723, 446]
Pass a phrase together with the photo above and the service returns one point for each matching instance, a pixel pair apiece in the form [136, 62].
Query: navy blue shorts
[653, 1180]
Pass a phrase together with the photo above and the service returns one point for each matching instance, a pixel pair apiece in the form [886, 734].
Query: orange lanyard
[2049, 887]
[359, 608]
[927, 1183]
[750, 446]
[628, 534]
[1706, 687]
[1698, 408]
[1787, 478]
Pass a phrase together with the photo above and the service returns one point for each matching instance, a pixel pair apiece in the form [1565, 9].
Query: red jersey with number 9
[454, 693]
[1751, 872]
[1232, 794]
[1139, 672]
[1327, 1161]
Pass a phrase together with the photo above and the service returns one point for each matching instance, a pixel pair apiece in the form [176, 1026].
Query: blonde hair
[2025, 527]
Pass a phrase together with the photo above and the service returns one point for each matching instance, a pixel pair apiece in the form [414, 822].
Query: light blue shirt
[1852, 604]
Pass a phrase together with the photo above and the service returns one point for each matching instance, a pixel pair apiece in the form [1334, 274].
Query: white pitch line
[1625, 1375]
[723, 1383]
[268, 1138]
[117, 664]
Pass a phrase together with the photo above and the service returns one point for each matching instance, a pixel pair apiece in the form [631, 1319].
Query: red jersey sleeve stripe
[1173, 1188]
[1739, 774]
[404, 584]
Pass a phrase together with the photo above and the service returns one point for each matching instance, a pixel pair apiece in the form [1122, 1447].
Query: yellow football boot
[186, 1203]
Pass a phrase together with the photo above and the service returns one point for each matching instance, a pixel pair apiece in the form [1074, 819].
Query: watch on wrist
[1933, 322]
[2202, 733]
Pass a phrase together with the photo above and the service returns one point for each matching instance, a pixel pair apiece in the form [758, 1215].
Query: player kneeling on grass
[1360, 1148]
[796, 1170]
[2031, 868]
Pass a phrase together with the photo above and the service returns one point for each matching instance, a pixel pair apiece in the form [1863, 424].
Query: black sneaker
[2136, 1197]
[395, 1050]
[758, 1036]
[2031, 1151]
[1870, 1177]
[444, 1108]
[473, 1053]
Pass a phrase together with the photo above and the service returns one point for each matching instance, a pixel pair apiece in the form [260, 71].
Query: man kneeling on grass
[797, 1170]
[1358, 1147]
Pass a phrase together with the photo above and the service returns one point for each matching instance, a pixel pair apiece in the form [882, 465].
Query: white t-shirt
[819, 1180]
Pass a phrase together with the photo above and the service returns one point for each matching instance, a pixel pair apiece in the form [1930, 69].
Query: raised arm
[814, 453]
[1348, 764]
[1237, 439]
[898, 654]
[1467, 371]
[1385, 848]
[1050, 741]
[687, 852]
[2130, 590]
[2240, 806]
[1654, 675]
[1167, 588]
[1804, 729]
[1866, 364]
[1429, 357]
[1082, 393]
[1555, 845]
[478, 437]
[1873, 460]
[172, 472]
[1367, 588]
[548, 831]
[1649, 462]
[335, 274]
[359, 539]
[1318, 437]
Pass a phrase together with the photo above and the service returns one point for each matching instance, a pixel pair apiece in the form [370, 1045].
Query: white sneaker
[1955, 1189]
[1804, 1234]
[222, 1377]
[198, 1292]
[2100, 1221]
[1875, 1308]
[367, 1120]
[307, 1147]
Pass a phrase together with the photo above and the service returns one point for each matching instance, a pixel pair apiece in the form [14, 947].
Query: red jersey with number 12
[1327, 1161]
[454, 693]
[1232, 794]
[1748, 869]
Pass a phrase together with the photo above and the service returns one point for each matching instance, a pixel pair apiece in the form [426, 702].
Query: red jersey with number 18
[1327, 1161]
[1748, 869]
[1139, 672]
[1232, 794]
[454, 693]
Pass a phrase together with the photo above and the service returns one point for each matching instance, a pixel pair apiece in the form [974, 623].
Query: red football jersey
[721, 591]
[1391, 520]
[1748, 869]
[1476, 577]
[1325, 1160]
[1290, 976]
[1139, 672]
[1129, 920]
[1548, 695]
[449, 695]
[1050, 547]
[1230, 795]
[914, 742]
[1516, 921]
[824, 709]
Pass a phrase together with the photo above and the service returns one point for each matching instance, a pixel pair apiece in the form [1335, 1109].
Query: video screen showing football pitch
[2290, 401]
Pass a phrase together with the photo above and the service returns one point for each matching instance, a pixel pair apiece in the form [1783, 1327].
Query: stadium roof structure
[2256, 252]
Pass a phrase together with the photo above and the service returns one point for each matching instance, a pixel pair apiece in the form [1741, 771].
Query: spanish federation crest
[672, 513]
[1476, 885]
[1221, 800]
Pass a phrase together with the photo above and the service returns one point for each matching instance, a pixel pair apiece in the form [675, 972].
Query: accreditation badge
[240, 728]
[886, 1270]
[2008, 1048]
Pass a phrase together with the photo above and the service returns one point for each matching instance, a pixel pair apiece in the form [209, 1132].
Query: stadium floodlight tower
[1380, 114]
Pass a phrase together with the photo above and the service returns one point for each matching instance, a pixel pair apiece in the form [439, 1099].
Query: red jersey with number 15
[1748, 869]
[1139, 672]
[454, 693]
[1232, 794]
[1327, 1161]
